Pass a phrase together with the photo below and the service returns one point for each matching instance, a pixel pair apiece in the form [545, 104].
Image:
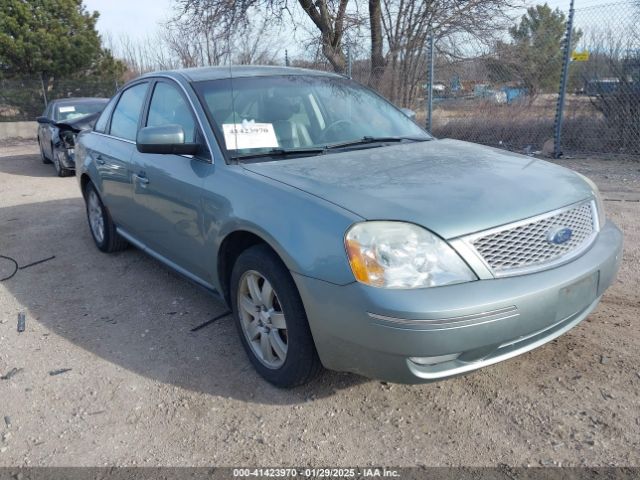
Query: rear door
[167, 189]
[112, 155]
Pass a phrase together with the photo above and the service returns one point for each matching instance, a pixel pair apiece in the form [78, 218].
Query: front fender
[307, 232]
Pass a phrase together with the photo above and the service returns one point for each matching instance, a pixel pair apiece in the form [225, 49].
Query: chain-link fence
[482, 100]
[26, 98]
[603, 112]
[509, 97]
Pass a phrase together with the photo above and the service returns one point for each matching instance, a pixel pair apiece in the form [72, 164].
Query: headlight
[68, 139]
[599, 203]
[402, 255]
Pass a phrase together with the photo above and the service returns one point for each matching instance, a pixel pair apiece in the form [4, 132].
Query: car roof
[77, 100]
[236, 71]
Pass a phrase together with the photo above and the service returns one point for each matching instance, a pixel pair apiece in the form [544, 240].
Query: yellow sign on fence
[580, 56]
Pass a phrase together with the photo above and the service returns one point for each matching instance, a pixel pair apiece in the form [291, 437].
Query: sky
[578, 4]
[135, 18]
[138, 19]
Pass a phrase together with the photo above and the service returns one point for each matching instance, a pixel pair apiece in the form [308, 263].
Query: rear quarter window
[103, 120]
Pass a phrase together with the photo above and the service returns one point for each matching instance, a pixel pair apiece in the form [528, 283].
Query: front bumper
[66, 156]
[374, 332]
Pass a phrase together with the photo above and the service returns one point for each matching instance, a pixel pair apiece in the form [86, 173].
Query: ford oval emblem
[559, 235]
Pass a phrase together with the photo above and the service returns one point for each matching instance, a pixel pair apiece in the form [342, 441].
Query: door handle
[141, 179]
[100, 160]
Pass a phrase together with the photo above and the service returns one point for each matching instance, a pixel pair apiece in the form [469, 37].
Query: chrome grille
[525, 245]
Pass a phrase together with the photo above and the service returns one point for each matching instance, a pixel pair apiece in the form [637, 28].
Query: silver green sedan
[340, 233]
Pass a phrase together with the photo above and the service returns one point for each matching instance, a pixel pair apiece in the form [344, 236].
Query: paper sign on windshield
[238, 136]
[67, 109]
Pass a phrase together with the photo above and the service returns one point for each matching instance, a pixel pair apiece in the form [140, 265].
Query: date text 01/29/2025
[316, 472]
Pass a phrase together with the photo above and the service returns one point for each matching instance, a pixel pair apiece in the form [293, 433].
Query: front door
[167, 189]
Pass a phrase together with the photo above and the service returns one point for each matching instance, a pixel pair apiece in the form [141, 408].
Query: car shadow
[28, 165]
[130, 310]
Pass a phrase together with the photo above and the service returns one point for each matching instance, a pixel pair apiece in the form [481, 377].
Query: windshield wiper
[285, 152]
[367, 140]
[282, 152]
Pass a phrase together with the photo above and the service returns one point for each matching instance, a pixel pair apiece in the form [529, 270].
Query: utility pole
[44, 91]
[430, 54]
[566, 59]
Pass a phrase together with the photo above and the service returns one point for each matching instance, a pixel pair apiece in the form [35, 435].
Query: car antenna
[233, 103]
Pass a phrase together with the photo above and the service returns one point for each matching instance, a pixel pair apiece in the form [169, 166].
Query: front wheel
[271, 319]
[60, 170]
[103, 230]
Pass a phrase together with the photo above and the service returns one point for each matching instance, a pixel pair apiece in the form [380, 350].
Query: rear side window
[101, 124]
[124, 123]
[168, 106]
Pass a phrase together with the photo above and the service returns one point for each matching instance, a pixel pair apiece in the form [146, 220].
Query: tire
[60, 170]
[282, 307]
[43, 157]
[101, 226]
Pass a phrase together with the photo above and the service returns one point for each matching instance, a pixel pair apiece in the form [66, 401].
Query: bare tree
[378, 61]
[331, 27]
[144, 55]
[407, 25]
[391, 33]
[258, 46]
[184, 44]
[329, 17]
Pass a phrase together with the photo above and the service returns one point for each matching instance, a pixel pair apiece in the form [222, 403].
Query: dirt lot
[144, 389]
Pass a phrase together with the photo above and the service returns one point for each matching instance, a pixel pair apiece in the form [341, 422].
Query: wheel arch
[231, 247]
[84, 181]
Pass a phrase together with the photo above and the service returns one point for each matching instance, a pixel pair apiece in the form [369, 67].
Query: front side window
[124, 123]
[260, 114]
[167, 107]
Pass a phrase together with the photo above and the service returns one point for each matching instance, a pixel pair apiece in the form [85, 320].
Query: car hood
[78, 124]
[451, 187]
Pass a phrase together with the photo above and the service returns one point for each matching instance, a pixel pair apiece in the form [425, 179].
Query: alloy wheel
[96, 217]
[262, 319]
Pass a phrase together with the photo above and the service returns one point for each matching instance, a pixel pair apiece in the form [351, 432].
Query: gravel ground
[143, 389]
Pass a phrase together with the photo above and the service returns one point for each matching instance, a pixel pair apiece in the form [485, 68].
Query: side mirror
[165, 139]
[43, 120]
[409, 113]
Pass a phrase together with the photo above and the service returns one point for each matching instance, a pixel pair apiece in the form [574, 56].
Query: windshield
[300, 112]
[70, 111]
